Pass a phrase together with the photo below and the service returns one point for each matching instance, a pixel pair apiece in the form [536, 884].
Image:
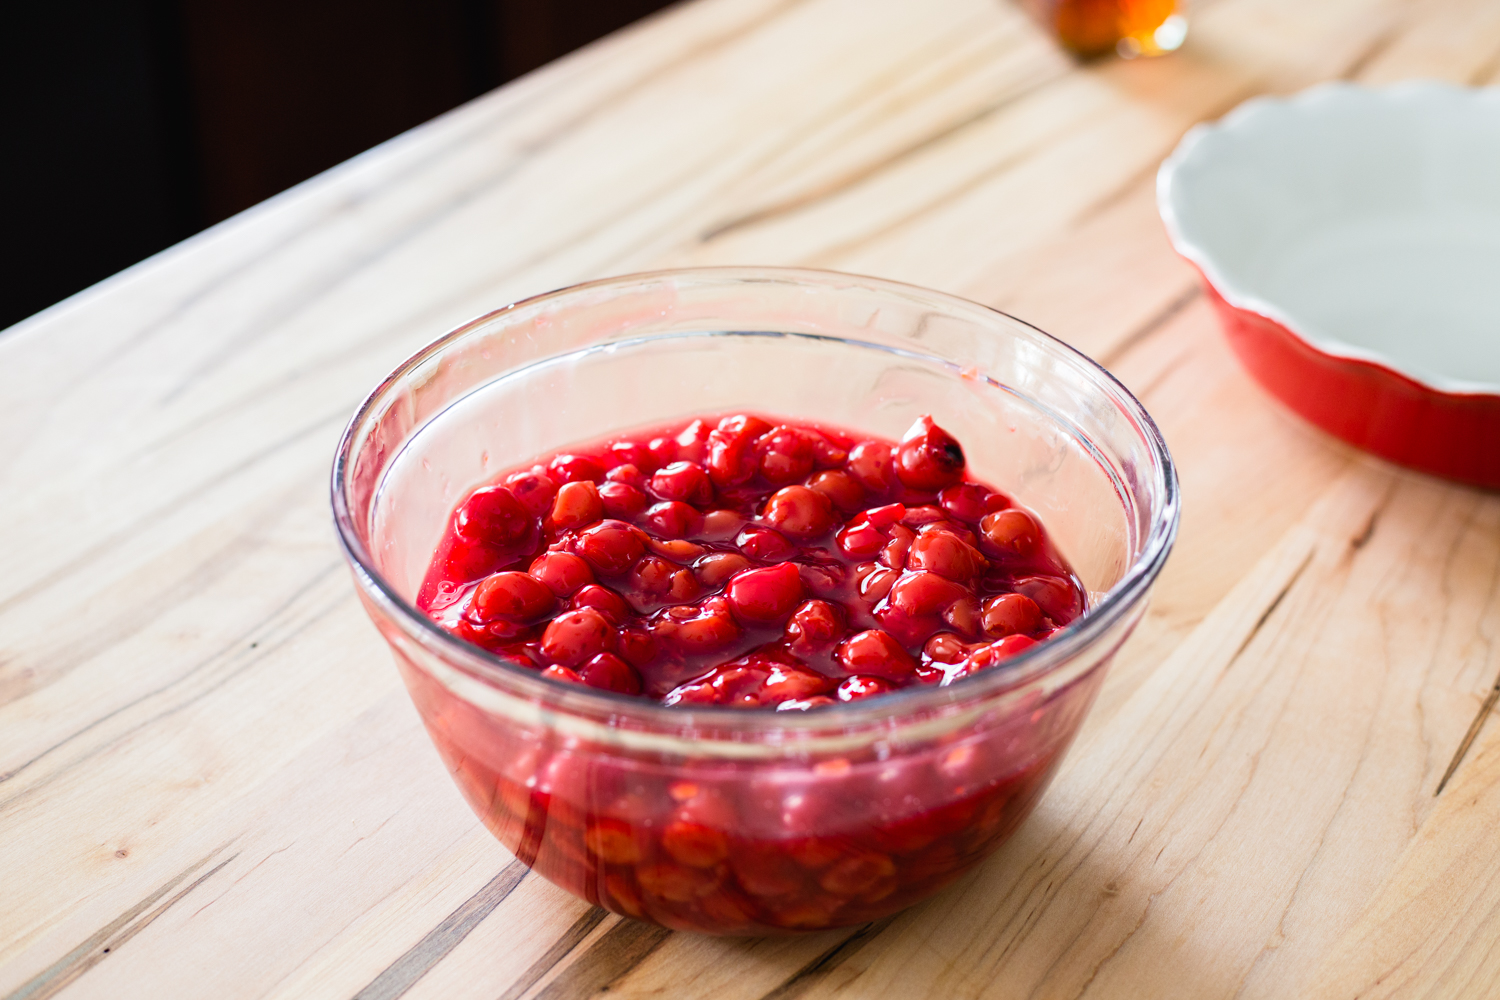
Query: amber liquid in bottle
[1128, 27]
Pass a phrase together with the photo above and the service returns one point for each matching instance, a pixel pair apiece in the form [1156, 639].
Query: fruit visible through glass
[755, 564]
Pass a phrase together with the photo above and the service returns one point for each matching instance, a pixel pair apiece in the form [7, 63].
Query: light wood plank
[208, 768]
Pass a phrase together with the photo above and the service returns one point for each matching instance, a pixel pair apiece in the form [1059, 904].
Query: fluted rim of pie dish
[1319, 100]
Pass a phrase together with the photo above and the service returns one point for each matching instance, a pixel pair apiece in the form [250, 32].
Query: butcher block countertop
[212, 783]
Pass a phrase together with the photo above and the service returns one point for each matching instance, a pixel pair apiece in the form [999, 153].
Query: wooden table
[212, 783]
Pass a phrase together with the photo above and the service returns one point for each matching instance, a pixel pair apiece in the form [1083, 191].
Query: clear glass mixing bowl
[798, 820]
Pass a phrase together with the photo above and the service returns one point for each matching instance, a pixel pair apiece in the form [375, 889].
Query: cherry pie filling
[743, 563]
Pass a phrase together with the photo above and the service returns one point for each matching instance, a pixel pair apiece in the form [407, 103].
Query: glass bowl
[723, 820]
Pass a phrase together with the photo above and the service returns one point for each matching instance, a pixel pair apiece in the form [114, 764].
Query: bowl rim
[1030, 665]
[1320, 99]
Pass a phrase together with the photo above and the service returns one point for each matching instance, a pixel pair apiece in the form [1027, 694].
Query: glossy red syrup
[736, 562]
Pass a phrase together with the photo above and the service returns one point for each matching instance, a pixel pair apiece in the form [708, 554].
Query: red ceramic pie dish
[1349, 240]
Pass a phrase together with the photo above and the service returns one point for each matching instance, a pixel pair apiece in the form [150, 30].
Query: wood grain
[211, 782]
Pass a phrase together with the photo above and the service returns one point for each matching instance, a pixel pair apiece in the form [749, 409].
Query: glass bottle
[1128, 27]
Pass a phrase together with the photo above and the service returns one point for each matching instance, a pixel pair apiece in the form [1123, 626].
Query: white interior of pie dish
[1365, 220]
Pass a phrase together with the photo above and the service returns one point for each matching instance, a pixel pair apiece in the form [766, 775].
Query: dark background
[128, 125]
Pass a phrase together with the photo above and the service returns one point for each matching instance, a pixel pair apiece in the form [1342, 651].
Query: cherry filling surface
[740, 562]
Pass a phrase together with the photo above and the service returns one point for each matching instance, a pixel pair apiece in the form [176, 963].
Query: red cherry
[705, 634]
[663, 451]
[799, 512]
[946, 554]
[1002, 649]
[631, 454]
[824, 579]
[612, 840]
[875, 585]
[893, 553]
[627, 475]
[611, 547]
[462, 561]
[514, 596]
[575, 636]
[672, 519]
[720, 524]
[786, 455]
[478, 635]
[577, 504]
[505, 630]
[873, 466]
[964, 616]
[557, 673]
[652, 577]
[677, 550]
[573, 779]
[815, 627]
[726, 909]
[534, 490]
[739, 685]
[765, 595]
[731, 449]
[722, 909]
[788, 683]
[764, 545]
[1010, 614]
[639, 649]
[702, 804]
[875, 652]
[839, 487]
[929, 458]
[806, 913]
[745, 424]
[860, 541]
[1058, 598]
[1011, 532]
[919, 594]
[964, 501]
[622, 896]
[610, 673]
[692, 443]
[676, 883]
[827, 453]
[703, 629]
[762, 870]
[945, 647]
[562, 572]
[684, 481]
[857, 687]
[884, 517]
[856, 875]
[717, 567]
[621, 501]
[685, 586]
[493, 516]
[692, 693]
[603, 600]
[574, 469]
[804, 704]
[921, 517]
[694, 844]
